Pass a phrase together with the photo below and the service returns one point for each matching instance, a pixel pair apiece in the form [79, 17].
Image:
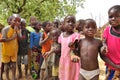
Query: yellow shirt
[10, 48]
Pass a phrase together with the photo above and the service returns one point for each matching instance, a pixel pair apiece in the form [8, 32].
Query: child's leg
[6, 66]
[13, 67]
[95, 78]
[2, 70]
[19, 66]
[42, 74]
[20, 71]
[25, 60]
[111, 73]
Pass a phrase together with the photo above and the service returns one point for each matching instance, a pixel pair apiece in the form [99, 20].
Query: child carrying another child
[55, 53]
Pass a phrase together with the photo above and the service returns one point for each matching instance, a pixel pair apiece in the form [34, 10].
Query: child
[56, 23]
[10, 46]
[45, 42]
[67, 69]
[79, 26]
[111, 39]
[23, 49]
[54, 53]
[36, 52]
[88, 48]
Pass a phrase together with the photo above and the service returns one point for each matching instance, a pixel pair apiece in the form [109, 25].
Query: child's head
[9, 19]
[69, 23]
[47, 26]
[90, 28]
[56, 23]
[79, 25]
[55, 34]
[33, 19]
[37, 26]
[114, 16]
[23, 23]
[61, 27]
[16, 20]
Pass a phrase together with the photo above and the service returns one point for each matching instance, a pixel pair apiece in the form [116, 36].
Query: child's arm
[107, 60]
[53, 50]
[74, 51]
[4, 37]
[43, 40]
[104, 48]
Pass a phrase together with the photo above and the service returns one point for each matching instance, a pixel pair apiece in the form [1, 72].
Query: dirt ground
[101, 64]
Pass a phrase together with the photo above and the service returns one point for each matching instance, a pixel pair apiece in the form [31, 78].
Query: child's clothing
[46, 65]
[68, 70]
[23, 48]
[10, 48]
[113, 41]
[89, 74]
[47, 45]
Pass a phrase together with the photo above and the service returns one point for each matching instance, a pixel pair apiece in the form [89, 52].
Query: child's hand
[14, 35]
[46, 55]
[75, 58]
[71, 45]
[104, 49]
[49, 35]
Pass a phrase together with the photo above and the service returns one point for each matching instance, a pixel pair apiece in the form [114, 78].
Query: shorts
[111, 73]
[7, 59]
[23, 59]
[55, 70]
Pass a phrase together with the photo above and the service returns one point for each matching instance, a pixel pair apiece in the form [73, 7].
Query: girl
[67, 69]
[111, 40]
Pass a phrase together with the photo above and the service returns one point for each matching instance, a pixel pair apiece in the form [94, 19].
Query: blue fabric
[34, 39]
[111, 73]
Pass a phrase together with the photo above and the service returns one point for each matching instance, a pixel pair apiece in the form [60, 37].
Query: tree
[42, 9]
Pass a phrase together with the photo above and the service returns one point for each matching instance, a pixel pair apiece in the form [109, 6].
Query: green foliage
[42, 9]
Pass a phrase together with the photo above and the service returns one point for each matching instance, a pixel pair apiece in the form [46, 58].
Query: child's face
[55, 34]
[90, 28]
[61, 27]
[16, 21]
[23, 24]
[49, 26]
[79, 26]
[114, 18]
[33, 20]
[39, 26]
[69, 23]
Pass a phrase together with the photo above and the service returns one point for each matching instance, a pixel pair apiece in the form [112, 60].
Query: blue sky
[96, 9]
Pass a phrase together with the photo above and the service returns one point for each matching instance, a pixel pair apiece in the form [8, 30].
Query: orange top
[47, 45]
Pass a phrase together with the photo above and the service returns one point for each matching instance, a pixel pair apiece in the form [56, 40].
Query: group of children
[59, 52]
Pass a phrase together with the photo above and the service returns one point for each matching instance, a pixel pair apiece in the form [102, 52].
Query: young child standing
[88, 49]
[45, 42]
[23, 49]
[10, 46]
[79, 27]
[36, 50]
[111, 40]
[67, 69]
[55, 53]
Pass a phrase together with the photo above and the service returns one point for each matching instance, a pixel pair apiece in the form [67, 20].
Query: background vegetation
[42, 9]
